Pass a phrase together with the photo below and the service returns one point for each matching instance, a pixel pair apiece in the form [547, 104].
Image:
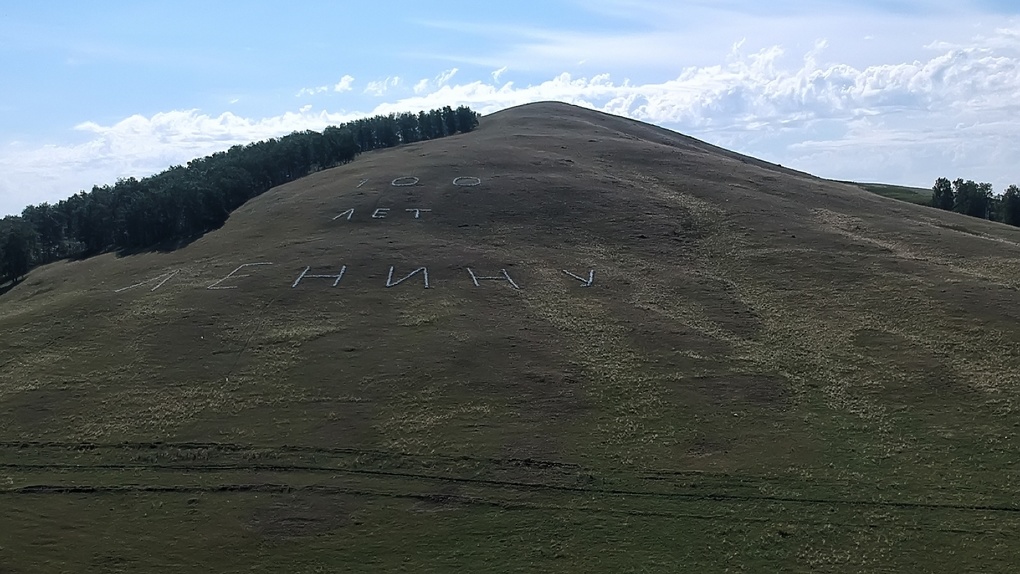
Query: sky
[898, 91]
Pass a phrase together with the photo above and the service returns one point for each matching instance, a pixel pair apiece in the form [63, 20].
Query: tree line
[184, 202]
[977, 200]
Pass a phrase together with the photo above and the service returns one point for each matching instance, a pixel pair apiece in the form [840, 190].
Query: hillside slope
[768, 370]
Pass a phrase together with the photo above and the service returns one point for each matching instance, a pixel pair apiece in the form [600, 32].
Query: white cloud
[311, 91]
[439, 81]
[345, 84]
[497, 73]
[136, 146]
[887, 121]
[445, 77]
[381, 87]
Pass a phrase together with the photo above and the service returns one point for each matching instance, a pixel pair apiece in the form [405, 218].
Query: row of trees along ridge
[184, 202]
[977, 200]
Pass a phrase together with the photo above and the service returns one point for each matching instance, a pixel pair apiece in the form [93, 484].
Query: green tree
[340, 144]
[48, 223]
[467, 119]
[450, 119]
[995, 208]
[1011, 206]
[942, 194]
[972, 198]
[185, 201]
[387, 131]
[408, 125]
[19, 245]
[425, 127]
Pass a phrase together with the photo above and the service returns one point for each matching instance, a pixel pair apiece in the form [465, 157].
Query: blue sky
[900, 92]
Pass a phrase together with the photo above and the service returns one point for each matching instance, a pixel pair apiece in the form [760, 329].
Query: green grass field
[916, 195]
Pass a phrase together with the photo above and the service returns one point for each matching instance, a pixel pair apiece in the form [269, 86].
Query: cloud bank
[953, 113]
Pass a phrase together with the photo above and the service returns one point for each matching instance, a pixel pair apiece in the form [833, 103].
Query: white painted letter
[162, 279]
[504, 277]
[380, 213]
[363, 182]
[391, 283]
[466, 181]
[305, 275]
[404, 181]
[584, 282]
[348, 213]
[216, 285]
[417, 212]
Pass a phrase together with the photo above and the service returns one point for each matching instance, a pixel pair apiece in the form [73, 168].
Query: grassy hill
[918, 195]
[769, 371]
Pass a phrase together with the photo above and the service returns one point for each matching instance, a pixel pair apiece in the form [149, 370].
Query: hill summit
[563, 341]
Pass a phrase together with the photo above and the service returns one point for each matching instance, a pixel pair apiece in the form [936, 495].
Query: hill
[918, 195]
[565, 341]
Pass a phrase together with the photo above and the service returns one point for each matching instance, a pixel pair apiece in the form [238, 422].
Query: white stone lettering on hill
[467, 181]
[363, 182]
[383, 213]
[232, 275]
[406, 181]
[423, 270]
[162, 279]
[504, 277]
[305, 275]
[418, 212]
[349, 213]
[584, 282]
[336, 278]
